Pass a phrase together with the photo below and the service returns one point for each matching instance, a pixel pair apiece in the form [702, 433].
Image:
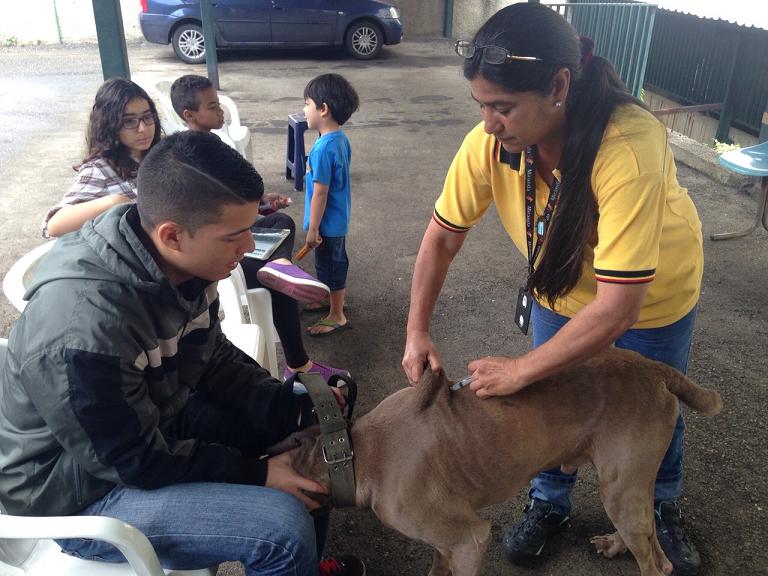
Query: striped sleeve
[95, 179]
[467, 191]
[447, 224]
[623, 277]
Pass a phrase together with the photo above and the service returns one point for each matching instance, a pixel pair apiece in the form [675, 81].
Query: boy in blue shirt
[329, 101]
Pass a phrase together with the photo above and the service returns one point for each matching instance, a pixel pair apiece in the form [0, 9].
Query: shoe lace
[673, 523]
[330, 567]
[532, 521]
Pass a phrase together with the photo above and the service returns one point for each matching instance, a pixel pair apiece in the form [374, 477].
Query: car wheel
[364, 40]
[188, 43]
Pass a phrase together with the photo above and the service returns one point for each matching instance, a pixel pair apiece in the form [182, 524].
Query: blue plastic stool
[751, 161]
[295, 158]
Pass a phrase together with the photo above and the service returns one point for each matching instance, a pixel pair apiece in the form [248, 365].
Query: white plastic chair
[169, 120]
[248, 337]
[19, 277]
[258, 302]
[27, 548]
[233, 133]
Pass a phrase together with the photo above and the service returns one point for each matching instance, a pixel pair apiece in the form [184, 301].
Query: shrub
[721, 147]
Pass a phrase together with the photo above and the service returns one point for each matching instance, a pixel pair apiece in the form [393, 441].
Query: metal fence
[701, 61]
[621, 31]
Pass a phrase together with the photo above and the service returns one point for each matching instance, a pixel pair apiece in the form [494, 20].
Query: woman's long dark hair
[106, 120]
[530, 29]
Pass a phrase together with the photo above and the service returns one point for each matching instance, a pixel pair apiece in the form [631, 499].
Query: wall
[694, 125]
[421, 17]
[34, 21]
[426, 17]
[469, 15]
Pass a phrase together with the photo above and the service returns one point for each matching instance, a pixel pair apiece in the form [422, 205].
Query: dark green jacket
[103, 358]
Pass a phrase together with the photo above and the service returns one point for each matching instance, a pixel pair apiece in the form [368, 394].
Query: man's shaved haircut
[188, 177]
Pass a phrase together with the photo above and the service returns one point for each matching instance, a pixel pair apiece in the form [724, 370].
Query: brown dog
[427, 458]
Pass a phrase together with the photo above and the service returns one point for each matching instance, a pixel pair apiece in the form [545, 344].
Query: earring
[558, 104]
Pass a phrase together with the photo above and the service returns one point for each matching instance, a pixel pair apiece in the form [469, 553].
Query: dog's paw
[609, 545]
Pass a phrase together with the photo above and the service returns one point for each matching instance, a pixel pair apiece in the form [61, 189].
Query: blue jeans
[332, 263]
[201, 524]
[669, 344]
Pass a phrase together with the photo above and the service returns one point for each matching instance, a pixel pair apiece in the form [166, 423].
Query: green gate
[621, 31]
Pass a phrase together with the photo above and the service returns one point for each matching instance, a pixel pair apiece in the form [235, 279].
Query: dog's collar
[336, 442]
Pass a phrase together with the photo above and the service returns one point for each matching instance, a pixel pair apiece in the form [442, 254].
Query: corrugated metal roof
[742, 12]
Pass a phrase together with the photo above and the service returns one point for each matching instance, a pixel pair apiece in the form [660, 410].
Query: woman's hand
[495, 376]
[282, 476]
[419, 351]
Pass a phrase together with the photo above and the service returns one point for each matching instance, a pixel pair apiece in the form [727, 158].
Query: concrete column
[109, 31]
[209, 37]
[448, 19]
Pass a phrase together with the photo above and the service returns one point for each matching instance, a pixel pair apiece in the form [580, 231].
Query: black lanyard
[542, 223]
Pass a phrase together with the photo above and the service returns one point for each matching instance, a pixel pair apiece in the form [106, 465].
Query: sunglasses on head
[491, 54]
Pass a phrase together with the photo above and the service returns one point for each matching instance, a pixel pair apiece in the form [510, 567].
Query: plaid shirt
[95, 179]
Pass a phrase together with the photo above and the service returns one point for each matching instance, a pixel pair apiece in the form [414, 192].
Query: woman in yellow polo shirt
[613, 242]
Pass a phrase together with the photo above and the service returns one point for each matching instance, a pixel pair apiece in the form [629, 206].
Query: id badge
[523, 310]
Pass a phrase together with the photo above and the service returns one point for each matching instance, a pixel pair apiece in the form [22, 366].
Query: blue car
[363, 26]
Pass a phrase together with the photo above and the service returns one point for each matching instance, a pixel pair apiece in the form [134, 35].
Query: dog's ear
[295, 440]
[430, 386]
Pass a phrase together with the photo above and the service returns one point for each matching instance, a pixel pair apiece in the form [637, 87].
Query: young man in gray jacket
[121, 396]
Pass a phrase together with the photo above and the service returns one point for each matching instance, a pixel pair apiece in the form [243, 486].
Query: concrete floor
[415, 110]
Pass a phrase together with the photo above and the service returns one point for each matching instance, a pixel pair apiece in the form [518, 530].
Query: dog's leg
[609, 545]
[467, 557]
[459, 537]
[440, 564]
[628, 501]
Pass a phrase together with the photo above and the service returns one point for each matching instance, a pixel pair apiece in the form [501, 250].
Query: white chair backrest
[237, 133]
[250, 338]
[258, 302]
[19, 277]
[230, 302]
[169, 120]
[41, 556]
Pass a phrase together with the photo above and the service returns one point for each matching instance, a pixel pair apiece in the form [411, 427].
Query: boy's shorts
[331, 262]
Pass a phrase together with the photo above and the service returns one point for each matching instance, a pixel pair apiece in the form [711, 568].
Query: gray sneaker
[670, 530]
[524, 542]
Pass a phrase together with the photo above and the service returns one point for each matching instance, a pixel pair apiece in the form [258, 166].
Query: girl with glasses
[584, 181]
[122, 127]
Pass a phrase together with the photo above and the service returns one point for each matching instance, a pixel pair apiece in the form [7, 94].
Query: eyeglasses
[132, 122]
[491, 54]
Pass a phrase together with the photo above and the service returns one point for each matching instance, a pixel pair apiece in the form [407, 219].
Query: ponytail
[593, 96]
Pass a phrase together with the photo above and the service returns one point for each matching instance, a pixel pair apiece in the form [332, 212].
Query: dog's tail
[704, 400]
